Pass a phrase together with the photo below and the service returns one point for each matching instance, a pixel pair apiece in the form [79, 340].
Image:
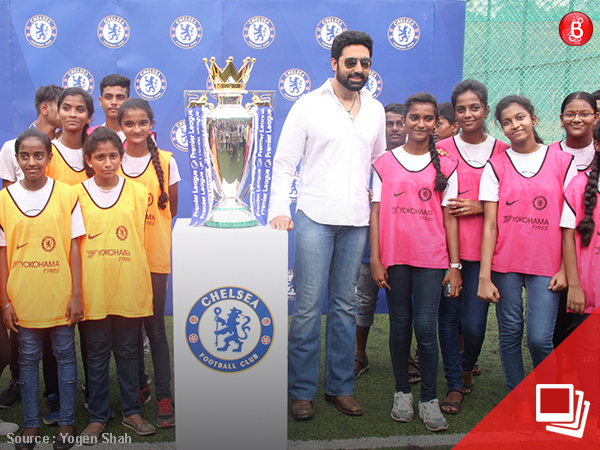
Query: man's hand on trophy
[282, 223]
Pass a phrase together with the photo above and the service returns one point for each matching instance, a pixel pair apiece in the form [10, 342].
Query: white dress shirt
[336, 155]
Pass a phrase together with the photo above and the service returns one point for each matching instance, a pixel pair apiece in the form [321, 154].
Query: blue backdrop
[159, 45]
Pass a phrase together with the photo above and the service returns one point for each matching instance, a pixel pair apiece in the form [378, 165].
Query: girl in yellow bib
[117, 291]
[75, 111]
[40, 275]
[156, 169]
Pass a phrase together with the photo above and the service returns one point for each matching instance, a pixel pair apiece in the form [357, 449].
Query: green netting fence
[513, 47]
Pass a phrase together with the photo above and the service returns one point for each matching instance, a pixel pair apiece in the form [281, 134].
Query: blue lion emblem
[231, 328]
[40, 31]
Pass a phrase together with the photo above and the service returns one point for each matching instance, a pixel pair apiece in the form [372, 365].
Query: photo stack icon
[556, 404]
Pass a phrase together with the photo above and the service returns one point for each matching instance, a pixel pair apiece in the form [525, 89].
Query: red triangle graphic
[512, 424]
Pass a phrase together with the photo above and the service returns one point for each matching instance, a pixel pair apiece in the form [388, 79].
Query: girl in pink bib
[581, 239]
[410, 193]
[472, 148]
[522, 194]
[578, 114]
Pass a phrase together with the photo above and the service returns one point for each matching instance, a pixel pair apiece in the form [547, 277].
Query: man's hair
[446, 111]
[114, 79]
[45, 94]
[397, 108]
[350, 37]
[596, 94]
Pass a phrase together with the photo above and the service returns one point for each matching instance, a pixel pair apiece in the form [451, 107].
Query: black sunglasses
[364, 62]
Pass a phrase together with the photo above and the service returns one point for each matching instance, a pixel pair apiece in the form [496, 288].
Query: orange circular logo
[48, 243]
[121, 233]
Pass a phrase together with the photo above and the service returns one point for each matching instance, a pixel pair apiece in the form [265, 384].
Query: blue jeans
[367, 294]
[30, 352]
[413, 301]
[472, 312]
[324, 254]
[159, 345]
[119, 335]
[580, 318]
[540, 318]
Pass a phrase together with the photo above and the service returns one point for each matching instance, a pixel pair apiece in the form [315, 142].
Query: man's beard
[347, 83]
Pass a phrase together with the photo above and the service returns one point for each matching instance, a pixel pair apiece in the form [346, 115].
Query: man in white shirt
[338, 131]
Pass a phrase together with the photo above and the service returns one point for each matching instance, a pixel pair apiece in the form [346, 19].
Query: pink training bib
[529, 235]
[411, 221]
[470, 227]
[558, 146]
[588, 258]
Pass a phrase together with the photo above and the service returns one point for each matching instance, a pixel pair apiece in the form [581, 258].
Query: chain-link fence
[513, 47]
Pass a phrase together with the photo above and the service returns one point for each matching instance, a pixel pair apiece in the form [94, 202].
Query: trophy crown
[229, 77]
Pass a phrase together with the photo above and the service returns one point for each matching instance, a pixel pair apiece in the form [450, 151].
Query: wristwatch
[456, 266]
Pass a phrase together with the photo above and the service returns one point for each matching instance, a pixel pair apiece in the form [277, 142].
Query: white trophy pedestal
[237, 403]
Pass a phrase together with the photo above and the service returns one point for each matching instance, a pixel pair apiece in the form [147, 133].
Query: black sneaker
[52, 411]
[10, 395]
[166, 413]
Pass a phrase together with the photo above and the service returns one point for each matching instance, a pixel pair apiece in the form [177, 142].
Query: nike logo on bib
[94, 236]
[464, 192]
[22, 245]
[511, 203]
[396, 194]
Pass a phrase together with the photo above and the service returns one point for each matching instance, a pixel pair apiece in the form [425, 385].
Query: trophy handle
[245, 192]
[218, 195]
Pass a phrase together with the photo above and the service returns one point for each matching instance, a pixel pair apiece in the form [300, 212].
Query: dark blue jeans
[159, 346]
[413, 301]
[472, 312]
[119, 335]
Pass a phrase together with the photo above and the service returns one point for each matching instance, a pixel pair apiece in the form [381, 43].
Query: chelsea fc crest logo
[113, 31]
[293, 84]
[79, 77]
[229, 329]
[374, 84]
[40, 31]
[179, 136]
[186, 32]
[150, 84]
[328, 29]
[259, 32]
[404, 33]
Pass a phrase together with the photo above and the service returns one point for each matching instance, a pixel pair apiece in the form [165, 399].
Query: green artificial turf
[82, 417]
[375, 390]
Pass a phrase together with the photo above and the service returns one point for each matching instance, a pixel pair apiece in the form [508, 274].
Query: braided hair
[590, 195]
[424, 97]
[138, 103]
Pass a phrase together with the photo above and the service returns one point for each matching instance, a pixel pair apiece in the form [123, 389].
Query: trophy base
[231, 215]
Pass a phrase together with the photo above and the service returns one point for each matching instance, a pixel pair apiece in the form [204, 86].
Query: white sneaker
[7, 428]
[432, 416]
[403, 407]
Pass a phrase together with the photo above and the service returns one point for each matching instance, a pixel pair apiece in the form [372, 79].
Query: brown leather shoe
[345, 404]
[302, 409]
